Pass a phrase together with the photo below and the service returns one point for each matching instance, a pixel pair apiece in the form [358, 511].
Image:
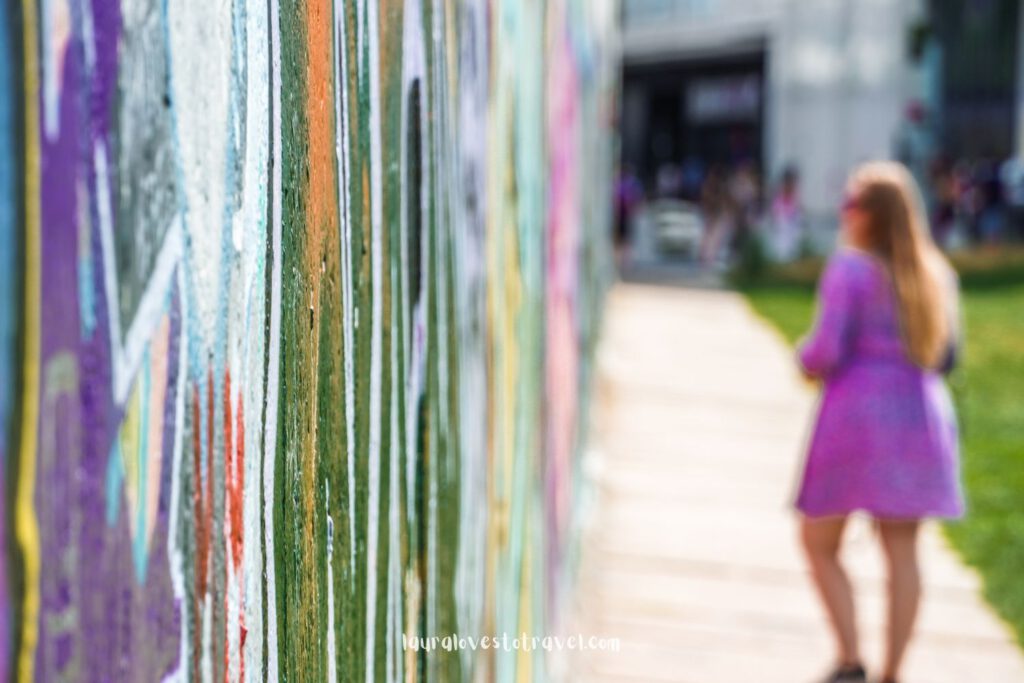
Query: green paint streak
[311, 429]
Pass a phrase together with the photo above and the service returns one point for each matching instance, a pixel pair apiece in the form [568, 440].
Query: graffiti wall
[297, 304]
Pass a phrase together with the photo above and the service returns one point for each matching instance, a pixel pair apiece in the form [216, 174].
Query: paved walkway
[691, 557]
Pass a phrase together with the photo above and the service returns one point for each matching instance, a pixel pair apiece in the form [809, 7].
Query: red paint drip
[234, 455]
[237, 528]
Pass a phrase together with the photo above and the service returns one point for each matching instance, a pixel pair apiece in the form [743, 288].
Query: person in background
[693, 178]
[787, 217]
[968, 198]
[992, 217]
[719, 217]
[885, 440]
[629, 194]
[669, 181]
[944, 201]
[745, 193]
[1011, 175]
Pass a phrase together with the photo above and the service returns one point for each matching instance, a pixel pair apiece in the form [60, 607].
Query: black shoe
[847, 674]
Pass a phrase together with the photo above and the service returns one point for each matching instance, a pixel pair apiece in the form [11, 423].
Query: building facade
[818, 86]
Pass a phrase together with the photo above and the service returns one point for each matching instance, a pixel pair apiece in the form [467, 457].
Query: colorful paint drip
[298, 302]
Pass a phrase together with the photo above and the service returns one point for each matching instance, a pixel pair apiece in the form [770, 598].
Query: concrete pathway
[691, 556]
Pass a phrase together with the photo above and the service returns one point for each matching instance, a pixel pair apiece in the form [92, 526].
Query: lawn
[989, 387]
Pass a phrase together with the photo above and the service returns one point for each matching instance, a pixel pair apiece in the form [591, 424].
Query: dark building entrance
[686, 117]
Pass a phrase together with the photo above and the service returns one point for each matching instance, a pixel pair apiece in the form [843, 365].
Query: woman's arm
[956, 325]
[823, 351]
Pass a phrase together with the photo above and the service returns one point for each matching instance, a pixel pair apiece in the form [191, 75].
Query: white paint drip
[332, 647]
[414, 342]
[104, 212]
[206, 661]
[376, 256]
[175, 558]
[349, 317]
[470, 313]
[431, 539]
[54, 38]
[200, 55]
[392, 659]
[88, 37]
[232, 614]
[255, 221]
[432, 474]
[442, 255]
[273, 369]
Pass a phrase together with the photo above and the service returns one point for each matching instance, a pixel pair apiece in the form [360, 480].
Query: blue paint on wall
[8, 238]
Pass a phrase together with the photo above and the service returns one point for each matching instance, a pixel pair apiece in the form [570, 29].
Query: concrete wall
[839, 83]
[297, 305]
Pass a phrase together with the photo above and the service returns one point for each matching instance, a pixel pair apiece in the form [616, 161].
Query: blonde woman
[885, 440]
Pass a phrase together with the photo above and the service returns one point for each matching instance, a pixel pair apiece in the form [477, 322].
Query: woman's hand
[807, 376]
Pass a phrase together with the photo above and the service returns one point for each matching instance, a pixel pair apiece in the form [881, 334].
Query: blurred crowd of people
[733, 202]
[976, 201]
[969, 202]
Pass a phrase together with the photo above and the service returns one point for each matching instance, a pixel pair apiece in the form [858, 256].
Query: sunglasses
[851, 202]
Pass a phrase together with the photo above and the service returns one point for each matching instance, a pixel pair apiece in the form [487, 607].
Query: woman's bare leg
[821, 539]
[899, 540]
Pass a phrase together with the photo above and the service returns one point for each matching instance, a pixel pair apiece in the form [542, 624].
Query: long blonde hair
[925, 283]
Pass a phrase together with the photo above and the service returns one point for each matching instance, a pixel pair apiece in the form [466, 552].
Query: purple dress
[885, 440]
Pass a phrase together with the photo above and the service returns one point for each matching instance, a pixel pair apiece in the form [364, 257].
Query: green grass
[789, 307]
[989, 389]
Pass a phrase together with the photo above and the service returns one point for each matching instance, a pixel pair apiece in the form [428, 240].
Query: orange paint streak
[232, 498]
[321, 190]
[234, 449]
[236, 482]
[321, 230]
[321, 235]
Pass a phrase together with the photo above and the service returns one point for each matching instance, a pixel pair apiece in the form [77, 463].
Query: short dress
[885, 440]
